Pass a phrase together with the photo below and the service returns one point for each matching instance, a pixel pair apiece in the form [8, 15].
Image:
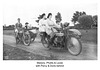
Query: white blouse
[42, 25]
[51, 23]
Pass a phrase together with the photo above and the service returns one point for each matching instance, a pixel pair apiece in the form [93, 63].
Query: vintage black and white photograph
[50, 32]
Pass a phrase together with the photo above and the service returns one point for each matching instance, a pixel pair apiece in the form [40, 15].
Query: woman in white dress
[50, 30]
[43, 25]
[50, 24]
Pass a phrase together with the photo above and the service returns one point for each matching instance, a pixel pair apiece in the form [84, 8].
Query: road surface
[89, 50]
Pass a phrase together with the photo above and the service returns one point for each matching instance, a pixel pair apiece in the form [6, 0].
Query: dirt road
[89, 50]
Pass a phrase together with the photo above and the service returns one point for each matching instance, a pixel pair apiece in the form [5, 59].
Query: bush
[86, 21]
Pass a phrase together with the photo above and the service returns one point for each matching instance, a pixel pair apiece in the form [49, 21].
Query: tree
[84, 13]
[76, 16]
[85, 20]
[95, 19]
[58, 18]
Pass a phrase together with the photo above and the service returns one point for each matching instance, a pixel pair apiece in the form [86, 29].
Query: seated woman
[50, 24]
[43, 25]
[50, 30]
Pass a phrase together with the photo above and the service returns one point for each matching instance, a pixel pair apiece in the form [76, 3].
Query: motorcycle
[64, 39]
[25, 36]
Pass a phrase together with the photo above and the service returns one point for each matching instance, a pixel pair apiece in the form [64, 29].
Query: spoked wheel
[74, 46]
[45, 42]
[26, 39]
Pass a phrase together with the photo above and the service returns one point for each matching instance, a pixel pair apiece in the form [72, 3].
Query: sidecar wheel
[26, 39]
[74, 46]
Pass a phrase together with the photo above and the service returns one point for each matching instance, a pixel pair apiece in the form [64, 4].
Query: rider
[51, 31]
[43, 25]
[18, 27]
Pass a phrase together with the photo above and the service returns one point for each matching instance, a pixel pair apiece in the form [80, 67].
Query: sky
[30, 12]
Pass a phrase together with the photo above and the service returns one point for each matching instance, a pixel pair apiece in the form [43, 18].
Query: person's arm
[56, 25]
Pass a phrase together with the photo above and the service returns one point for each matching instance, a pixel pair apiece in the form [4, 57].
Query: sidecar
[33, 34]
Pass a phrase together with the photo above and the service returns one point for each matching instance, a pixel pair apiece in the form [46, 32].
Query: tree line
[84, 20]
[9, 27]
[79, 19]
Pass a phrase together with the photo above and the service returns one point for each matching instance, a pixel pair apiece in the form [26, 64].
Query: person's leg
[42, 36]
[52, 37]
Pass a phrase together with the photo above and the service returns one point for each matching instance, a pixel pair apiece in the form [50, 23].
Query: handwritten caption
[49, 64]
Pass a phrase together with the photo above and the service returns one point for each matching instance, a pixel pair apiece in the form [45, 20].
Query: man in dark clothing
[18, 27]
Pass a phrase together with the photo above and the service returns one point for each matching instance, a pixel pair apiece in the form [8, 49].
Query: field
[8, 32]
[89, 35]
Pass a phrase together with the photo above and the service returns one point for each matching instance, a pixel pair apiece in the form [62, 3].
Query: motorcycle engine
[58, 38]
[58, 41]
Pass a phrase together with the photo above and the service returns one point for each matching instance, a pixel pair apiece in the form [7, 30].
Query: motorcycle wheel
[26, 39]
[74, 46]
